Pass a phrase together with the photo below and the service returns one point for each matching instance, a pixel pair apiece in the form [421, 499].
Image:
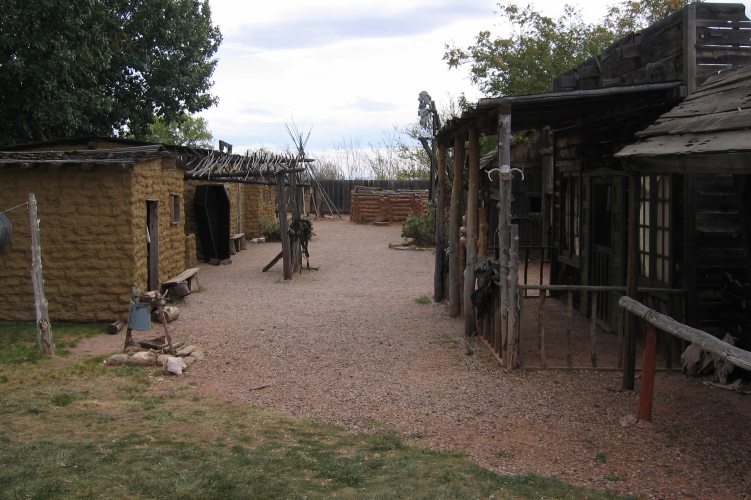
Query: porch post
[454, 223]
[504, 222]
[632, 281]
[281, 206]
[440, 208]
[470, 323]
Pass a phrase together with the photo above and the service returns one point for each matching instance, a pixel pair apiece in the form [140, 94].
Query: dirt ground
[351, 343]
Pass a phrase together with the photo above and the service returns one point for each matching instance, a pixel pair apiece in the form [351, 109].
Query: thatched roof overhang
[121, 157]
[553, 109]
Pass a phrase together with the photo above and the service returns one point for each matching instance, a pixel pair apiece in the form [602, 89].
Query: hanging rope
[17, 206]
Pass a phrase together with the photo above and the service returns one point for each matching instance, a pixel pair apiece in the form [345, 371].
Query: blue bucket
[140, 316]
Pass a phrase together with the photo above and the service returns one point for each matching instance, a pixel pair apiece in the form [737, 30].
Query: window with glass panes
[654, 227]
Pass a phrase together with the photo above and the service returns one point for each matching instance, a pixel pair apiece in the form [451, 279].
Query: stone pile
[138, 356]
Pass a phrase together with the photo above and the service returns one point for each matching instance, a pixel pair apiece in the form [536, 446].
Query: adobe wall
[258, 202]
[152, 182]
[86, 239]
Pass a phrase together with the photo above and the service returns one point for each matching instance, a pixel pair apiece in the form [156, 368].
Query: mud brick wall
[152, 182]
[93, 238]
[258, 202]
[86, 241]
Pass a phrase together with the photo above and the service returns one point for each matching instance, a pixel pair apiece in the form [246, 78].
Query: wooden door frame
[152, 253]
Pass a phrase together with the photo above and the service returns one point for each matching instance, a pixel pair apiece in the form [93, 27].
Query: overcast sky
[341, 69]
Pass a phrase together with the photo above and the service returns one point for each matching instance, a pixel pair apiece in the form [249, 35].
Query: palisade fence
[338, 191]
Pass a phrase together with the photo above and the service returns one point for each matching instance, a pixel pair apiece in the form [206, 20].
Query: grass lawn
[71, 427]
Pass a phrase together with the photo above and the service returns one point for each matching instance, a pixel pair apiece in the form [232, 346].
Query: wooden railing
[593, 292]
[654, 319]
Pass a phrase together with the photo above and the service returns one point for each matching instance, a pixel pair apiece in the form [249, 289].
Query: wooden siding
[339, 191]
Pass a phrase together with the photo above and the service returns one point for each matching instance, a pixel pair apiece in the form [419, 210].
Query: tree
[187, 131]
[539, 47]
[100, 67]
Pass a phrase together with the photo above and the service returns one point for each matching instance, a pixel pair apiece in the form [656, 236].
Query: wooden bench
[189, 277]
[236, 243]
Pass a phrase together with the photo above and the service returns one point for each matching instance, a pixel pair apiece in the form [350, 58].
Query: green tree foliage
[102, 66]
[189, 130]
[538, 47]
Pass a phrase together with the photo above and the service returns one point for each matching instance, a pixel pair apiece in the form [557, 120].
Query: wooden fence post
[44, 328]
[470, 321]
[647, 376]
[454, 223]
[440, 230]
[514, 357]
[281, 205]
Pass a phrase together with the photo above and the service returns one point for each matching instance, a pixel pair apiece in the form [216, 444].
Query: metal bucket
[140, 316]
[6, 231]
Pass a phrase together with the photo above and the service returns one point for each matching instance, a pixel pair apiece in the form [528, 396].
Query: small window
[176, 208]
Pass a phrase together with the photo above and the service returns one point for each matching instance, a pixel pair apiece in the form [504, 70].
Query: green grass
[71, 427]
[423, 300]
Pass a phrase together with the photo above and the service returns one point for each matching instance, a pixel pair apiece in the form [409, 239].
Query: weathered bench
[189, 277]
[236, 243]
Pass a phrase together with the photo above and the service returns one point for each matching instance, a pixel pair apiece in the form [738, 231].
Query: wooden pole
[593, 332]
[569, 331]
[44, 327]
[440, 230]
[295, 251]
[632, 281]
[470, 322]
[454, 223]
[514, 357]
[281, 205]
[647, 376]
[504, 219]
[541, 328]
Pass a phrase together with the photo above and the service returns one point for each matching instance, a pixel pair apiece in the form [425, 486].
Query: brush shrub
[420, 230]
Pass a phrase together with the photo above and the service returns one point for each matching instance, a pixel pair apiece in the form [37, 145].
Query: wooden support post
[504, 219]
[569, 331]
[454, 223]
[295, 250]
[470, 321]
[541, 328]
[44, 327]
[514, 357]
[281, 205]
[647, 376]
[440, 230]
[593, 332]
[632, 281]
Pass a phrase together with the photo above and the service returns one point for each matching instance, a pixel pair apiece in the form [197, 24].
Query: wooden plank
[714, 36]
[514, 355]
[720, 121]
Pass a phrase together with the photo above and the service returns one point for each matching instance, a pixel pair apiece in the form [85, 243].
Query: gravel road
[351, 344]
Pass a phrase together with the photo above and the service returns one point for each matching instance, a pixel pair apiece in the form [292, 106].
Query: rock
[199, 355]
[162, 358]
[189, 360]
[144, 358]
[628, 421]
[174, 365]
[185, 351]
[214, 262]
[117, 360]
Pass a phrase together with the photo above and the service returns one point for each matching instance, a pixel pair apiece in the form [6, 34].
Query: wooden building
[593, 112]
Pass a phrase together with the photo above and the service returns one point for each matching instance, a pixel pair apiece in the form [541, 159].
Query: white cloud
[345, 69]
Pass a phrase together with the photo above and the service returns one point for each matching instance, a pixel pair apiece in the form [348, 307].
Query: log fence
[656, 320]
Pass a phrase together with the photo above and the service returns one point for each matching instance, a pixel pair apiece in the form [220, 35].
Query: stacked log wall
[369, 205]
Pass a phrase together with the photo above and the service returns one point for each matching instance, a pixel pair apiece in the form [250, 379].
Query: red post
[647, 376]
